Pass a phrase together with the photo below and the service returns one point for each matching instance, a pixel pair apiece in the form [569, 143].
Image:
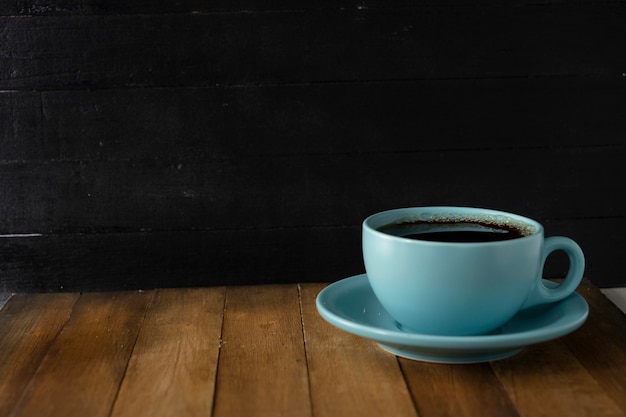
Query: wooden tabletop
[265, 351]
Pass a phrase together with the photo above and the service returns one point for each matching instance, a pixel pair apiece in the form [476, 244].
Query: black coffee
[470, 231]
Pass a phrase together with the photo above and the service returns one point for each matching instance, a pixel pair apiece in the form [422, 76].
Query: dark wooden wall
[147, 144]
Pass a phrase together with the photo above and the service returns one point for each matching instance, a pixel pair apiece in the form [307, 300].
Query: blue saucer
[351, 305]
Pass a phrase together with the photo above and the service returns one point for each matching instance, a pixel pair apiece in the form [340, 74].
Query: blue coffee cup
[459, 288]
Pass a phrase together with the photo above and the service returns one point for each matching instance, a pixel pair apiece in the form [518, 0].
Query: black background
[186, 143]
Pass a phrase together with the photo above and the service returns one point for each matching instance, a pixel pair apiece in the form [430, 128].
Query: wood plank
[551, 369]
[182, 258]
[600, 345]
[356, 44]
[262, 365]
[223, 123]
[457, 390]
[349, 375]
[95, 7]
[317, 190]
[28, 326]
[81, 372]
[174, 363]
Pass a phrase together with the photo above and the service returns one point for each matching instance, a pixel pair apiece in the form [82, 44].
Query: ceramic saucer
[350, 305]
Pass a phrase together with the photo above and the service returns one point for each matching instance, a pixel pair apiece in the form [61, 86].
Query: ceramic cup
[460, 288]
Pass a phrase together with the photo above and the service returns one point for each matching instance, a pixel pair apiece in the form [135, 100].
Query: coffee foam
[495, 220]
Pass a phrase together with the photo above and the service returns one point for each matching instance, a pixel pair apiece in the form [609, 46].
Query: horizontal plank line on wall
[617, 75]
[112, 231]
[133, 261]
[163, 160]
[84, 8]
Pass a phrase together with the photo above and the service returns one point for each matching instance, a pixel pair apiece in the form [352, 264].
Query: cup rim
[401, 213]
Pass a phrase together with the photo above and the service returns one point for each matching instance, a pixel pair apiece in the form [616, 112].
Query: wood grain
[198, 49]
[463, 390]
[21, 130]
[30, 323]
[96, 7]
[216, 195]
[606, 361]
[160, 353]
[86, 362]
[262, 364]
[221, 123]
[173, 366]
[536, 379]
[346, 372]
[148, 260]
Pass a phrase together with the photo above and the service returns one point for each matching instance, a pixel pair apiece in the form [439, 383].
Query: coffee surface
[453, 231]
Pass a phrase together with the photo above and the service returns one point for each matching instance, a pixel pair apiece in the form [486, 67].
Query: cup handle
[543, 294]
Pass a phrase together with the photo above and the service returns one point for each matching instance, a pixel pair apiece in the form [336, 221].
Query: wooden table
[265, 351]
